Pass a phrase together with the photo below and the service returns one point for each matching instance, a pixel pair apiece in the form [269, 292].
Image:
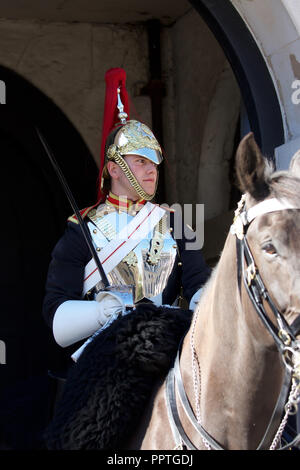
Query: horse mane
[256, 176]
[285, 185]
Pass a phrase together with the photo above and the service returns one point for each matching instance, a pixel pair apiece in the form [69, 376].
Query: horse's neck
[240, 372]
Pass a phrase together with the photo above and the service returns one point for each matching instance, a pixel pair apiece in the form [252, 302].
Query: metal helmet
[135, 138]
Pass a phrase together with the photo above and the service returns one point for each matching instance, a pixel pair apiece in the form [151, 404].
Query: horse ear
[295, 164]
[250, 168]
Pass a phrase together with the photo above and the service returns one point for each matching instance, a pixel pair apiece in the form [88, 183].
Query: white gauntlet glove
[110, 303]
[75, 320]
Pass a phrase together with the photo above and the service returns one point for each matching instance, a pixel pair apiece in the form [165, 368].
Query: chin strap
[131, 178]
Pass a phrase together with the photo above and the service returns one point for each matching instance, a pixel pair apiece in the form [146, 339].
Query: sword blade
[68, 193]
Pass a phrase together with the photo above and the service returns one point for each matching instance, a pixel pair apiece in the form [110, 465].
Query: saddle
[107, 390]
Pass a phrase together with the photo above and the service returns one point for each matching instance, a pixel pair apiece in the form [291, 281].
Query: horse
[236, 378]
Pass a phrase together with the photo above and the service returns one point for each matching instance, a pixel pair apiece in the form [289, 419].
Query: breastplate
[148, 266]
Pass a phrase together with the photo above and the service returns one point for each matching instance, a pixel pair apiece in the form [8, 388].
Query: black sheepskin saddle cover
[108, 388]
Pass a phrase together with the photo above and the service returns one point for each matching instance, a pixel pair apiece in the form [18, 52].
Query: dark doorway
[34, 212]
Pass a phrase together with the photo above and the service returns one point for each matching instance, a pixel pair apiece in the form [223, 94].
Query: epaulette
[83, 213]
[166, 208]
[101, 211]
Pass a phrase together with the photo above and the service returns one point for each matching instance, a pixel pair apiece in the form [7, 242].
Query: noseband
[283, 334]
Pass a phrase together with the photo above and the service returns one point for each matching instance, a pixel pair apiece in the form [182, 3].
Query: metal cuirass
[149, 265]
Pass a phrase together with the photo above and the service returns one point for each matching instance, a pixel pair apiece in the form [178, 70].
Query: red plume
[114, 78]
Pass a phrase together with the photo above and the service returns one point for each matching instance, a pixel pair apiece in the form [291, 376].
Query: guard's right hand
[110, 304]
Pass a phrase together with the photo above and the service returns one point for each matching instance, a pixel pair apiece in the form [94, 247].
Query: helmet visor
[153, 155]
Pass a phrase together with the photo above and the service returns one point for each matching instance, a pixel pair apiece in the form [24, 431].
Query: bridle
[284, 336]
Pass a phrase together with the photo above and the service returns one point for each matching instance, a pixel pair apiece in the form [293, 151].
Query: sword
[74, 206]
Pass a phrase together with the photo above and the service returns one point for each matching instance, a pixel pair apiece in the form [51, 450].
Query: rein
[284, 336]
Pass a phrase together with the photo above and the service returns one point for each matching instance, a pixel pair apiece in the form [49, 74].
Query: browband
[269, 205]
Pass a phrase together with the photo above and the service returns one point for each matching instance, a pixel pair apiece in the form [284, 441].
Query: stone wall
[201, 114]
[68, 61]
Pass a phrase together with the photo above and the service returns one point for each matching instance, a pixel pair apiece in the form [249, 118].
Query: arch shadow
[34, 215]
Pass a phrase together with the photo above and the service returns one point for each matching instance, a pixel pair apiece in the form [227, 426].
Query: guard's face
[144, 170]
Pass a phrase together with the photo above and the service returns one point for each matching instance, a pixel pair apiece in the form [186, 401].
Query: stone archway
[259, 100]
[262, 43]
[253, 76]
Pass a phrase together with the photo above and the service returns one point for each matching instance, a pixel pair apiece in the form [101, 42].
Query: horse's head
[272, 203]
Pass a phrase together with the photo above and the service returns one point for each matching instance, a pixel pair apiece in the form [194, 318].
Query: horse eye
[270, 249]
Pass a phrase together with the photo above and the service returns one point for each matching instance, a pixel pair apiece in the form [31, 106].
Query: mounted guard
[144, 267]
